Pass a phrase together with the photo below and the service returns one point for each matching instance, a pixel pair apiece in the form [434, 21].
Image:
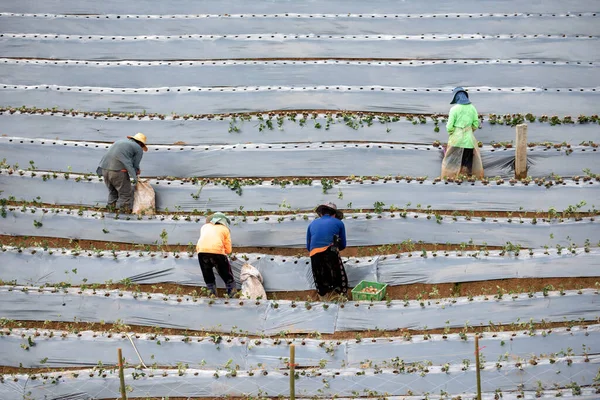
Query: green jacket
[462, 120]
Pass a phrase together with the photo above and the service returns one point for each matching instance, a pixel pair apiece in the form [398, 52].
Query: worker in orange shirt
[213, 247]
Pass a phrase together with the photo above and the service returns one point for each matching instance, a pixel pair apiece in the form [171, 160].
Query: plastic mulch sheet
[150, 7]
[215, 131]
[177, 195]
[290, 230]
[292, 159]
[36, 266]
[346, 382]
[87, 348]
[272, 317]
[411, 100]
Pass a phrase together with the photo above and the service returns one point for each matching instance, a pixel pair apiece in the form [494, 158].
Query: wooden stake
[122, 375]
[521, 152]
[477, 366]
[292, 372]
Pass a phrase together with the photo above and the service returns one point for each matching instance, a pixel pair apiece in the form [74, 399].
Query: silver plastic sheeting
[251, 317]
[59, 349]
[177, 195]
[292, 159]
[290, 230]
[272, 317]
[146, 7]
[36, 266]
[432, 314]
[503, 100]
[346, 382]
[324, 24]
[215, 131]
[138, 74]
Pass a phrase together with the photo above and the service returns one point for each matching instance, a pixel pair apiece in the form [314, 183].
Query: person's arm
[137, 159]
[475, 118]
[128, 160]
[227, 241]
[451, 120]
[342, 236]
[308, 238]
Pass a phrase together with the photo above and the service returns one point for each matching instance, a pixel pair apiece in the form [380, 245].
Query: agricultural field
[264, 110]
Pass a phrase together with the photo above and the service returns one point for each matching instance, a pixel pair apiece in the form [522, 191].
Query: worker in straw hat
[213, 247]
[325, 237]
[120, 167]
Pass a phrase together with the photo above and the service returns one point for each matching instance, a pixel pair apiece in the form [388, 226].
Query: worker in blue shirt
[325, 237]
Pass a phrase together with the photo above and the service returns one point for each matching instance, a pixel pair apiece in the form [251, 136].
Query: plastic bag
[144, 199]
[252, 281]
[452, 165]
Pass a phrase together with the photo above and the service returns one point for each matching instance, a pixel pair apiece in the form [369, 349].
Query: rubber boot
[231, 289]
[212, 288]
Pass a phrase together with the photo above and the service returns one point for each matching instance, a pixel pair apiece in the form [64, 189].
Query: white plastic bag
[252, 281]
[144, 199]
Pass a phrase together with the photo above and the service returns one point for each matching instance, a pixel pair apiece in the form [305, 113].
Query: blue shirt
[123, 154]
[320, 233]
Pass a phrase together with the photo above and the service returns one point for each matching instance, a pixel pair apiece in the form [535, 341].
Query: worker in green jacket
[462, 155]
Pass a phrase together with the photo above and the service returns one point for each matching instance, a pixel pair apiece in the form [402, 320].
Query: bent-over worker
[120, 167]
[325, 237]
[462, 155]
[213, 247]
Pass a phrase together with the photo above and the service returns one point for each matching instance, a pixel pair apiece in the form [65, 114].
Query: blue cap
[460, 96]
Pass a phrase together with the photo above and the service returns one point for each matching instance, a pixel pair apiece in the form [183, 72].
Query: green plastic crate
[357, 295]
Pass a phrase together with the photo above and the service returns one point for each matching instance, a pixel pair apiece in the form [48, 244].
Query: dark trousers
[329, 272]
[120, 191]
[467, 159]
[209, 261]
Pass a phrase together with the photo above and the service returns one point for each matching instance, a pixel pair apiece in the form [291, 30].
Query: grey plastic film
[264, 317]
[146, 7]
[292, 159]
[215, 131]
[36, 266]
[504, 100]
[346, 382]
[90, 191]
[432, 313]
[290, 230]
[414, 73]
[295, 45]
[329, 24]
[87, 348]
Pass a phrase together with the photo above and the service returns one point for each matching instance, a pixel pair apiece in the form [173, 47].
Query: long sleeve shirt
[319, 235]
[462, 120]
[214, 239]
[124, 154]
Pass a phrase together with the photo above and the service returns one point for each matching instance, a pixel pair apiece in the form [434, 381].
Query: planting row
[271, 317]
[143, 383]
[304, 194]
[38, 348]
[292, 159]
[138, 74]
[187, 129]
[290, 230]
[262, 98]
[149, 7]
[299, 45]
[36, 266]
[324, 24]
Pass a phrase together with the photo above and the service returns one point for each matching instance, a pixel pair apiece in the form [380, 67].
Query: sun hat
[460, 99]
[220, 218]
[140, 138]
[331, 206]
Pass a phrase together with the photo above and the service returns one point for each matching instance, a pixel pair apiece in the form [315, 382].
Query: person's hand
[139, 171]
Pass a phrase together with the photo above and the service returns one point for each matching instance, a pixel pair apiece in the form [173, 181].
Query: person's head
[460, 96]
[329, 209]
[220, 219]
[140, 139]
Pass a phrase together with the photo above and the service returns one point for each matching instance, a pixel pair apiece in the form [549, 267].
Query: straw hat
[329, 206]
[140, 138]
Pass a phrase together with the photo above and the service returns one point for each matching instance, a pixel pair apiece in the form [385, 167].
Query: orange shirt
[214, 239]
